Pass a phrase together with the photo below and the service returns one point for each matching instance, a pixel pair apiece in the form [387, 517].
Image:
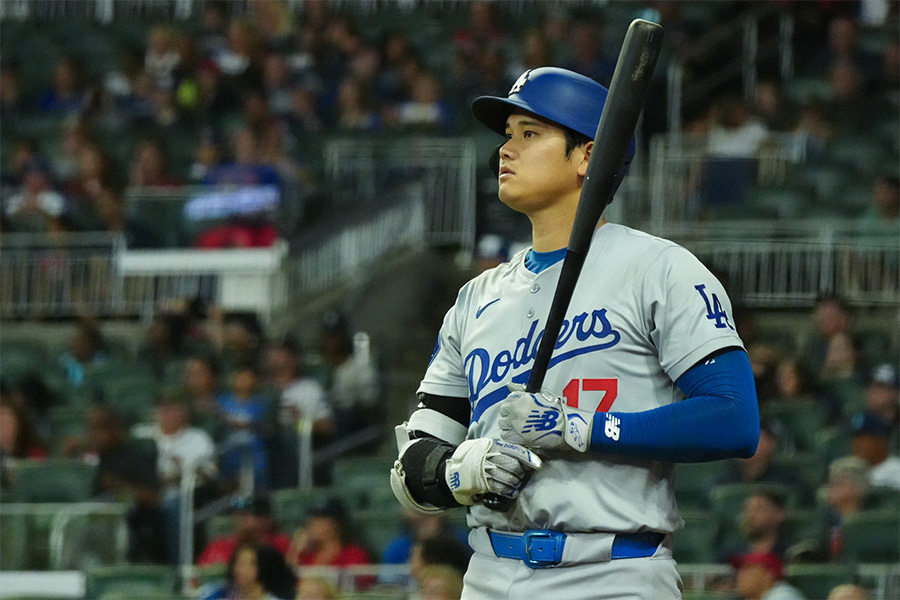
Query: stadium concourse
[231, 230]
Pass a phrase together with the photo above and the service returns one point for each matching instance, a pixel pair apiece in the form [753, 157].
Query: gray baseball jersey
[644, 311]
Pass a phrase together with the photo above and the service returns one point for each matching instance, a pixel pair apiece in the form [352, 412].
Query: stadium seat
[693, 482]
[802, 525]
[13, 542]
[808, 466]
[696, 542]
[359, 476]
[832, 443]
[291, 506]
[802, 420]
[217, 525]
[65, 422]
[130, 581]
[728, 499]
[871, 537]
[54, 480]
[84, 540]
[883, 498]
[376, 528]
[816, 580]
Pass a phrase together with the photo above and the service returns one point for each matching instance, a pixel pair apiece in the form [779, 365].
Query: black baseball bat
[627, 90]
[623, 105]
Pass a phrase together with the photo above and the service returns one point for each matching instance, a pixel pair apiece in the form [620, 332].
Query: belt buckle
[548, 545]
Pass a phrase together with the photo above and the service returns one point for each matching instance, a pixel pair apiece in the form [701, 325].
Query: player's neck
[551, 232]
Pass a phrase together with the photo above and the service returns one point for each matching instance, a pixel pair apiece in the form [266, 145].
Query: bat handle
[497, 502]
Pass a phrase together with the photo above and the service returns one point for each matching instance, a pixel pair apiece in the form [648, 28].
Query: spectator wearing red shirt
[254, 526]
[325, 540]
[19, 439]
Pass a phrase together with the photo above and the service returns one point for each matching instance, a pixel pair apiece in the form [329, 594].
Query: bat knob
[497, 502]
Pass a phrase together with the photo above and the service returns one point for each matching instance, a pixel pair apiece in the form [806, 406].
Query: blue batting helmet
[564, 97]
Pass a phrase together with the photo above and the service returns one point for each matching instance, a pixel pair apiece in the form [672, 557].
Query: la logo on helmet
[520, 83]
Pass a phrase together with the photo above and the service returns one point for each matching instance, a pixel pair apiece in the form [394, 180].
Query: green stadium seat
[882, 498]
[217, 525]
[291, 506]
[832, 444]
[359, 476]
[86, 540]
[801, 419]
[728, 499]
[13, 541]
[696, 542]
[693, 482]
[65, 422]
[131, 581]
[801, 525]
[54, 480]
[377, 527]
[816, 580]
[808, 466]
[871, 537]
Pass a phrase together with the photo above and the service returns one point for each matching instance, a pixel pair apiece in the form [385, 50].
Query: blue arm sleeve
[719, 418]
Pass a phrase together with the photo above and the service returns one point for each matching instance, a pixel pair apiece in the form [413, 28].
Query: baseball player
[647, 371]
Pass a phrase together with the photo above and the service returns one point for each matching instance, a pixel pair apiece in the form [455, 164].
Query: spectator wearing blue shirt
[244, 414]
[67, 95]
[244, 169]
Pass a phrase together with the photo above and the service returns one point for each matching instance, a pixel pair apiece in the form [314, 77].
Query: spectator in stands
[207, 155]
[849, 108]
[126, 469]
[772, 107]
[240, 64]
[871, 442]
[847, 486]
[36, 204]
[881, 219]
[254, 525]
[212, 38]
[305, 115]
[259, 572]
[535, 52]
[162, 57]
[11, 101]
[833, 327]
[32, 392]
[760, 522]
[440, 582]
[23, 154]
[356, 106]
[439, 549]
[67, 96]
[353, 380]
[278, 84]
[326, 539]
[316, 588]
[275, 147]
[883, 393]
[94, 173]
[302, 406]
[760, 467]
[587, 53]
[814, 127]
[417, 527]
[244, 415]
[110, 210]
[245, 168]
[795, 383]
[163, 342]
[181, 449]
[273, 20]
[238, 337]
[86, 349]
[886, 83]
[848, 591]
[201, 383]
[760, 576]
[19, 439]
[396, 49]
[480, 31]
[148, 166]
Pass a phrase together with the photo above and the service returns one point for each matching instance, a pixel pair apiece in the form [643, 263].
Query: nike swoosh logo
[481, 309]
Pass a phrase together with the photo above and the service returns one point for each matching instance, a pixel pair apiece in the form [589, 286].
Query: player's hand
[543, 421]
[484, 465]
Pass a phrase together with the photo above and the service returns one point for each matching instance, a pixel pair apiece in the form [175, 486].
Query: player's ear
[586, 155]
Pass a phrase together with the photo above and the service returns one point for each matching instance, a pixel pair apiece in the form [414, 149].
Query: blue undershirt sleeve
[719, 418]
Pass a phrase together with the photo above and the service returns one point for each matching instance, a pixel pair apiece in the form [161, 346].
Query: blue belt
[541, 548]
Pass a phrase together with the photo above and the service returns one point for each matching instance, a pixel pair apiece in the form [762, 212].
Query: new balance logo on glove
[453, 482]
[612, 428]
[541, 421]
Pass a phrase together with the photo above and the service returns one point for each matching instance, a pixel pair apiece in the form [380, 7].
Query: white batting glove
[543, 421]
[485, 465]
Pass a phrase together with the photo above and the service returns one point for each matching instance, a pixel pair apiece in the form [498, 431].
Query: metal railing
[342, 256]
[442, 171]
[677, 168]
[777, 273]
[686, 86]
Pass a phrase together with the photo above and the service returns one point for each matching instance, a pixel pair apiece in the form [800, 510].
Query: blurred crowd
[237, 97]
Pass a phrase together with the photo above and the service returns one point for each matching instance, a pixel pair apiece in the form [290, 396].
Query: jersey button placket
[529, 313]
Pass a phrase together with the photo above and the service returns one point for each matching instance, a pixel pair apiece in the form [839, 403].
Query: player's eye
[529, 134]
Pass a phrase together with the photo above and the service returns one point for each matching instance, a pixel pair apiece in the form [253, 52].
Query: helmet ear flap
[494, 159]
